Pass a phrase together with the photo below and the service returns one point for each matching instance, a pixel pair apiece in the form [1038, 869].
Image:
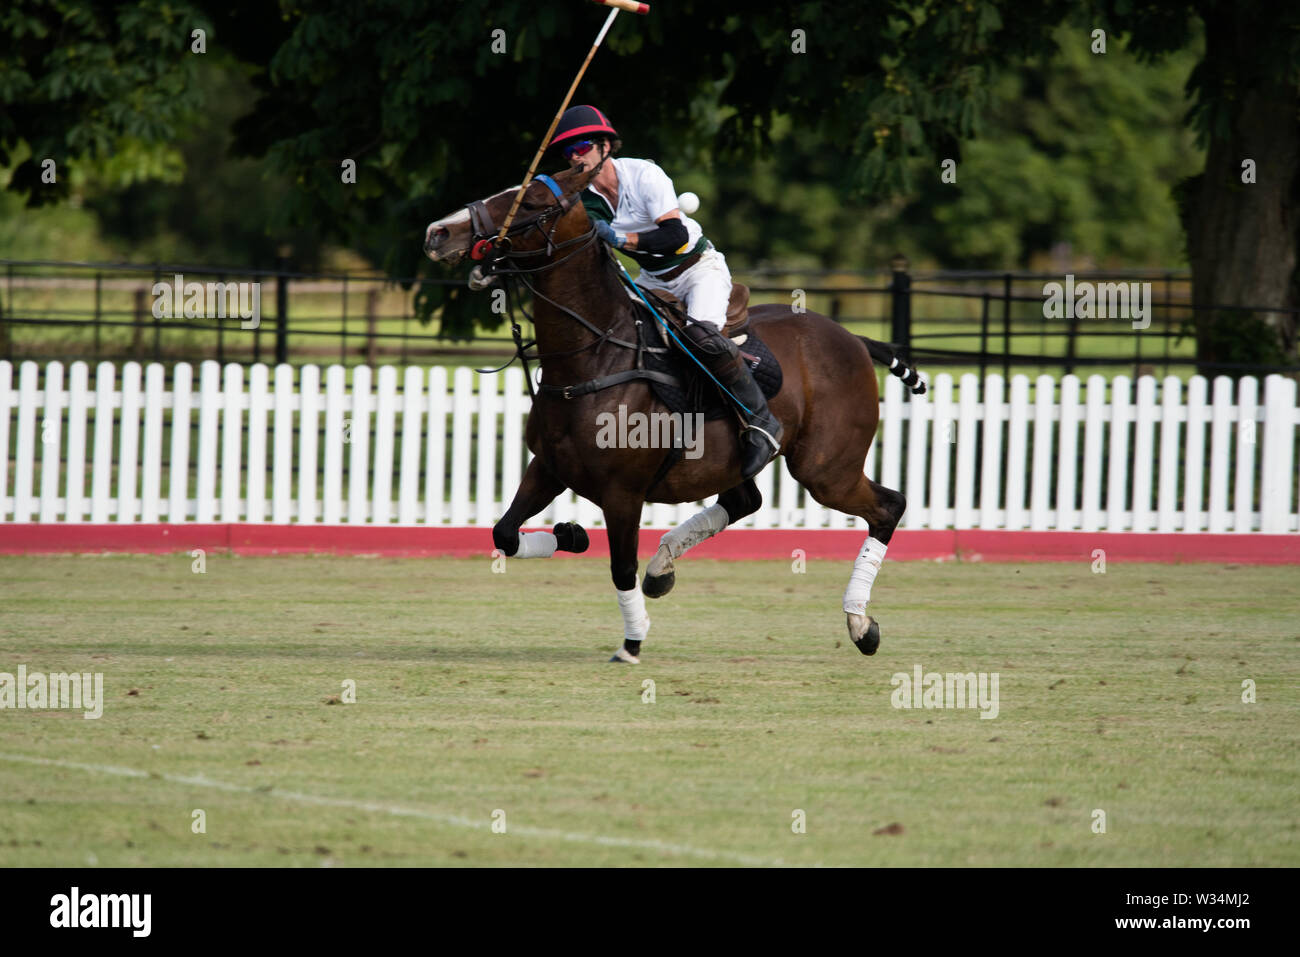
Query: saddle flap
[737, 311]
[737, 322]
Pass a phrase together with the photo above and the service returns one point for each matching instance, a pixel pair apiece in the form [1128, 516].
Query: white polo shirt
[645, 193]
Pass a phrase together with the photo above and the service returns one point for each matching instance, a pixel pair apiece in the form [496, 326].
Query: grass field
[479, 692]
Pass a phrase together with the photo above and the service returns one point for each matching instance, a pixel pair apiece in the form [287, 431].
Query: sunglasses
[581, 148]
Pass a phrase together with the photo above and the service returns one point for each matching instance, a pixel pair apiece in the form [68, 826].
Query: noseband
[485, 245]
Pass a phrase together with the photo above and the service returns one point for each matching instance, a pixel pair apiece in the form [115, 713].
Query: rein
[496, 253]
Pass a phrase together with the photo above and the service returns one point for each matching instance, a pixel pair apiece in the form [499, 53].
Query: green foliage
[1081, 149]
[833, 151]
[63, 232]
[1238, 338]
[89, 83]
[1076, 148]
[828, 157]
[226, 209]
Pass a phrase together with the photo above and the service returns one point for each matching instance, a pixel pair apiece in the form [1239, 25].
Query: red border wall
[842, 544]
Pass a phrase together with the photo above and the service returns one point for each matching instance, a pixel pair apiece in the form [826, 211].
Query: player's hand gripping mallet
[631, 6]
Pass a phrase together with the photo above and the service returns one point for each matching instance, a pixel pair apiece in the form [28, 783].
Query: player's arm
[669, 236]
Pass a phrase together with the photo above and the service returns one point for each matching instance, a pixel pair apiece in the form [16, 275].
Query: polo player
[633, 206]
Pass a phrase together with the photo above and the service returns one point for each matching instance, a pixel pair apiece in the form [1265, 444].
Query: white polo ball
[688, 203]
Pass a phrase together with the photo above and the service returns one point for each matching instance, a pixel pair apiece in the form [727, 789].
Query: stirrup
[754, 457]
[776, 446]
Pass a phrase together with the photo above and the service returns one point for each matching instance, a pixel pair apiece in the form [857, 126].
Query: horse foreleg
[537, 490]
[732, 505]
[623, 525]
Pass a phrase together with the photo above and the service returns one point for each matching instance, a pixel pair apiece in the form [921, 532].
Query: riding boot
[760, 439]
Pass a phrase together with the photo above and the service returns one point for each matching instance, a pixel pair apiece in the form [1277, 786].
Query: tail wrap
[885, 355]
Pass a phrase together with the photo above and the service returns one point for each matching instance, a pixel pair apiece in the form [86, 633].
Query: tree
[437, 105]
[89, 82]
[1242, 236]
[430, 108]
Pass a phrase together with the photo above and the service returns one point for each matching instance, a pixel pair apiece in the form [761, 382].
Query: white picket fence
[1053, 455]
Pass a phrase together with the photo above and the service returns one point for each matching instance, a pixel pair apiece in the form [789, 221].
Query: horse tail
[884, 354]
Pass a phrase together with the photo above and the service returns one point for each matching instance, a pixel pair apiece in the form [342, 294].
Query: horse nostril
[435, 237]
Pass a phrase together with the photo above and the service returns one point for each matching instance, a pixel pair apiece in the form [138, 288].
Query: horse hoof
[623, 656]
[571, 537]
[660, 576]
[864, 632]
[656, 586]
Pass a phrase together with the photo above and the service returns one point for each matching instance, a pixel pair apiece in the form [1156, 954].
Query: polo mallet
[631, 6]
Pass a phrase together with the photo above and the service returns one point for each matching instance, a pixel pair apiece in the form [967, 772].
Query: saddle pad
[699, 392]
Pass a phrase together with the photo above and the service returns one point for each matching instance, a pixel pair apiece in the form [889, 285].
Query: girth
[605, 381]
[618, 378]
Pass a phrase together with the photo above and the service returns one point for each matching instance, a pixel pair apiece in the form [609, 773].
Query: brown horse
[586, 329]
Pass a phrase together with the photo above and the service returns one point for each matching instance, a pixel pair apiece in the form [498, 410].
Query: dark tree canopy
[436, 107]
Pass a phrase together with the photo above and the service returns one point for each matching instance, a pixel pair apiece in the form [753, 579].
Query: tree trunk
[1242, 238]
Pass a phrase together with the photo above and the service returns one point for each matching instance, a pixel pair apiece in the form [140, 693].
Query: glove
[605, 232]
[478, 281]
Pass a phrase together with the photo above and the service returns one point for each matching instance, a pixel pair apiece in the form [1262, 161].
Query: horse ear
[575, 179]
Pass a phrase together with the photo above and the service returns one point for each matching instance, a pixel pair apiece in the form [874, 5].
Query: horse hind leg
[732, 505]
[881, 508]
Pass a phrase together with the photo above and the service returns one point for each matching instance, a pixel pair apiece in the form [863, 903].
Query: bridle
[494, 253]
[499, 258]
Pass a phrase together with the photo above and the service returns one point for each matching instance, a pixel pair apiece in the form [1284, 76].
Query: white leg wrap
[535, 545]
[700, 526]
[636, 623]
[865, 567]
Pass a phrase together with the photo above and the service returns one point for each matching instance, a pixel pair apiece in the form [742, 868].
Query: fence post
[984, 340]
[1277, 468]
[343, 339]
[157, 320]
[372, 306]
[900, 289]
[281, 310]
[1006, 326]
[5, 339]
[99, 285]
[221, 325]
[137, 328]
[1071, 338]
[1168, 296]
[257, 331]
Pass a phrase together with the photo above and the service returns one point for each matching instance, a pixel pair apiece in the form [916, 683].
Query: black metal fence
[987, 321]
[114, 311]
[969, 321]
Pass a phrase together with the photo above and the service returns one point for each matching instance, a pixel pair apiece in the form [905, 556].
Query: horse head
[546, 217]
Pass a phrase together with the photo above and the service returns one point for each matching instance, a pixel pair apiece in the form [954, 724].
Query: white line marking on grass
[455, 820]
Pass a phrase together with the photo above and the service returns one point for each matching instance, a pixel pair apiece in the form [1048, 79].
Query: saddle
[737, 323]
[695, 391]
